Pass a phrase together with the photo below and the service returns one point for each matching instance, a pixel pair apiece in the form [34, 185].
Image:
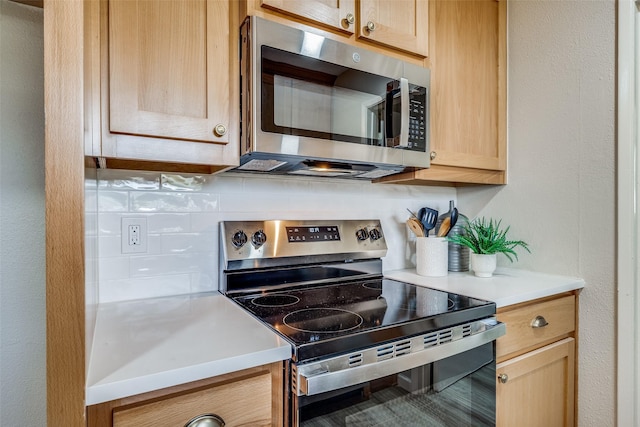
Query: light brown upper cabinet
[397, 24]
[468, 94]
[166, 82]
[335, 14]
[402, 24]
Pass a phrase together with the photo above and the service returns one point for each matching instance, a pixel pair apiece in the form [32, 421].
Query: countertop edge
[101, 393]
[192, 316]
[526, 285]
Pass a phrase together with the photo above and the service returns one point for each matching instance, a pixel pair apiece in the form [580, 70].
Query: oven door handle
[333, 374]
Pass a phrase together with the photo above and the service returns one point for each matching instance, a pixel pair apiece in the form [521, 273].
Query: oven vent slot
[385, 352]
[466, 330]
[355, 360]
[393, 350]
[403, 347]
[294, 377]
[430, 340]
[433, 339]
[445, 336]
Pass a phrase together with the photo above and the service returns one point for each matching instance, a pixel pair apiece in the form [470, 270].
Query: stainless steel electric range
[365, 349]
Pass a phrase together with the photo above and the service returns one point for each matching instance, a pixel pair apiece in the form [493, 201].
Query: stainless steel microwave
[317, 107]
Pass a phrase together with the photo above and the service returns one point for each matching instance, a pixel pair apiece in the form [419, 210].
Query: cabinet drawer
[521, 333]
[229, 401]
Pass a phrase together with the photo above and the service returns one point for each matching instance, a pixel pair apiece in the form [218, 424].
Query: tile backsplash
[182, 213]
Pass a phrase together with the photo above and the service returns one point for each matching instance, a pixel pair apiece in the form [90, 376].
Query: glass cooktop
[325, 320]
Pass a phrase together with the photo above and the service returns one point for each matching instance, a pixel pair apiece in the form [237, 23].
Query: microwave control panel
[418, 118]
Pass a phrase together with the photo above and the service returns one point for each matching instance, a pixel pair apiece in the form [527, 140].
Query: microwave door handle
[404, 116]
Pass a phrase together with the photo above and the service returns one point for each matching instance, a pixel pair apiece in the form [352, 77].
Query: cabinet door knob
[433, 155]
[503, 378]
[539, 322]
[206, 420]
[220, 130]
[350, 18]
[371, 26]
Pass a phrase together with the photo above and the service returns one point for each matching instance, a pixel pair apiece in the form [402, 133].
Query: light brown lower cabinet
[251, 397]
[536, 370]
[538, 388]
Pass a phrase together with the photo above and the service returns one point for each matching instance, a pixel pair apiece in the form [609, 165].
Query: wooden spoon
[445, 226]
[415, 226]
[448, 223]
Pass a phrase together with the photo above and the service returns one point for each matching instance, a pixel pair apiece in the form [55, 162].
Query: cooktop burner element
[333, 318]
[320, 285]
[275, 300]
[322, 320]
[373, 285]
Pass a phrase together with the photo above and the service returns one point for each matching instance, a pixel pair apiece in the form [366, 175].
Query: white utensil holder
[432, 256]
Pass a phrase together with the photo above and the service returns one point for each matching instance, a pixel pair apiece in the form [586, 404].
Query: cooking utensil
[416, 226]
[445, 227]
[428, 218]
[413, 214]
[448, 223]
[454, 218]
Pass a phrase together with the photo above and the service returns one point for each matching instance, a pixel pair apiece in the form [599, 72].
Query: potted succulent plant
[486, 239]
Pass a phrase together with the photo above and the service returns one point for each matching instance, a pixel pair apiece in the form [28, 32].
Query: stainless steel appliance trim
[256, 32]
[277, 245]
[330, 374]
[404, 121]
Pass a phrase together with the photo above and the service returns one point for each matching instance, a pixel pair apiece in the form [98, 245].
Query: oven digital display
[313, 234]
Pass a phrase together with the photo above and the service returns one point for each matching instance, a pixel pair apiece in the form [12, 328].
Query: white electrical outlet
[134, 235]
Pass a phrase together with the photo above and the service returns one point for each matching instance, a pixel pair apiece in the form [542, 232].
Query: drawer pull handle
[539, 322]
[206, 420]
[503, 378]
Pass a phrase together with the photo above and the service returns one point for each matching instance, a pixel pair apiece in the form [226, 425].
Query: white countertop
[507, 286]
[150, 344]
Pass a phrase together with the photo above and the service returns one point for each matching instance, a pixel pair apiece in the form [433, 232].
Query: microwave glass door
[304, 96]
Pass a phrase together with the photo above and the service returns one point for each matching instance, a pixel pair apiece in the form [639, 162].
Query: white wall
[561, 192]
[22, 270]
[183, 212]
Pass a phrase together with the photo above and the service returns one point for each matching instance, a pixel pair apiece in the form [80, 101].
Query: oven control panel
[244, 240]
[312, 234]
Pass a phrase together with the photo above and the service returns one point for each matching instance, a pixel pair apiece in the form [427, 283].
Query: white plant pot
[483, 265]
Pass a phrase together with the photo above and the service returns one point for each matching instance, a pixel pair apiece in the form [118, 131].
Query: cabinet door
[169, 69]
[337, 14]
[538, 388]
[468, 91]
[402, 24]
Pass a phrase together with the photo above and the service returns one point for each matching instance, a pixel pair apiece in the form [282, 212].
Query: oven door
[403, 390]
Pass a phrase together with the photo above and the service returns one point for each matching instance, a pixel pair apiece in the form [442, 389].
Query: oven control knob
[258, 238]
[362, 234]
[238, 239]
[375, 234]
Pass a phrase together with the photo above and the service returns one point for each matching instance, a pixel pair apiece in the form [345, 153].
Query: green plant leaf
[484, 236]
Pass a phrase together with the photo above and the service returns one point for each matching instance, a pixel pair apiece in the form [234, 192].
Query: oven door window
[458, 391]
[307, 97]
